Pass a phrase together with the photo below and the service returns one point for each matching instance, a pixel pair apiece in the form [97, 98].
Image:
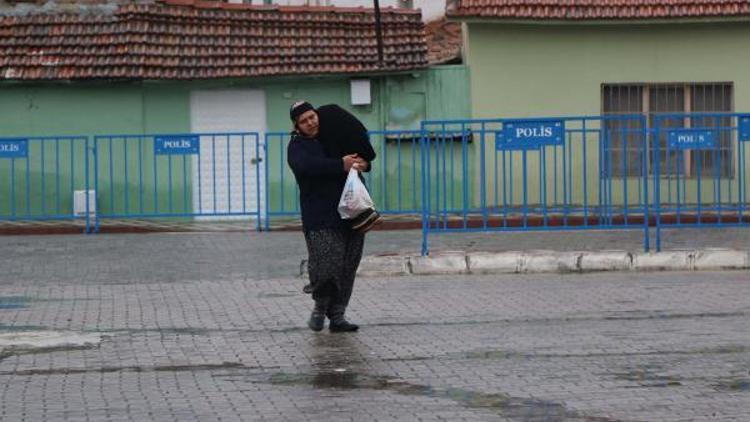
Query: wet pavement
[210, 327]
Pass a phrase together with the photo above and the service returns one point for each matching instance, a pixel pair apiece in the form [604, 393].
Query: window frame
[686, 90]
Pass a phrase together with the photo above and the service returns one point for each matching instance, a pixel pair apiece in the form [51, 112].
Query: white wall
[431, 9]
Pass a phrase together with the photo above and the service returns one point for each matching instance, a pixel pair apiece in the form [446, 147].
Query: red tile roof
[444, 41]
[597, 9]
[187, 39]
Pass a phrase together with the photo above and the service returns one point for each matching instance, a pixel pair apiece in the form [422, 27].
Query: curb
[543, 261]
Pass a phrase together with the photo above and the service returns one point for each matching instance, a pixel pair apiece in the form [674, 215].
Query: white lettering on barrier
[537, 132]
[10, 147]
[181, 143]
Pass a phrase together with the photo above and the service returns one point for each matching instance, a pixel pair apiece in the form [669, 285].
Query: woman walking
[334, 248]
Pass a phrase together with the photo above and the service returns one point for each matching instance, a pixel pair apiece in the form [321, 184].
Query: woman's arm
[311, 161]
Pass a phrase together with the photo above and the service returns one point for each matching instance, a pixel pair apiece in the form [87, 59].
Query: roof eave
[619, 21]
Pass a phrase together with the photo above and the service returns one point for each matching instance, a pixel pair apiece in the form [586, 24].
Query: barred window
[624, 144]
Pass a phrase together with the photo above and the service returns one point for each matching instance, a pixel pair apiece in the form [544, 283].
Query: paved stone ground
[210, 327]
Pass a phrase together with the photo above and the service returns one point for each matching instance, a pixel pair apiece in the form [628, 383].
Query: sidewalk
[271, 255]
[563, 252]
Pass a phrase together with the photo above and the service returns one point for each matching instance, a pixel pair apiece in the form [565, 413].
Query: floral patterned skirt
[333, 258]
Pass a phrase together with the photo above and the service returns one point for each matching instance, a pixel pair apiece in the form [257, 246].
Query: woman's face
[307, 123]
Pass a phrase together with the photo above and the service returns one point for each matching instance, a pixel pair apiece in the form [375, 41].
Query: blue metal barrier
[40, 175]
[192, 176]
[282, 193]
[701, 160]
[566, 173]
[394, 183]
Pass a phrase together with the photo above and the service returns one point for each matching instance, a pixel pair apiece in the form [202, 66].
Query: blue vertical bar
[609, 182]
[681, 193]
[73, 169]
[452, 177]
[111, 179]
[170, 186]
[96, 180]
[140, 175]
[425, 205]
[444, 161]
[268, 192]
[213, 169]
[57, 175]
[42, 171]
[242, 167]
[483, 175]
[496, 199]
[584, 165]
[525, 188]
[699, 165]
[565, 178]
[414, 171]
[603, 170]
[505, 188]
[13, 187]
[199, 180]
[28, 182]
[717, 181]
[543, 182]
[644, 169]
[554, 176]
[85, 182]
[229, 177]
[398, 172]
[741, 170]
[185, 208]
[730, 163]
[465, 175]
[383, 173]
[126, 183]
[511, 181]
[156, 181]
[657, 180]
[258, 162]
[625, 173]
[281, 165]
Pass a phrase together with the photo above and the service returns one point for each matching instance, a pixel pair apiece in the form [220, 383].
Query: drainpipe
[378, 33]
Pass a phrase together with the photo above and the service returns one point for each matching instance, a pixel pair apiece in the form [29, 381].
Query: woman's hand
[349, 162]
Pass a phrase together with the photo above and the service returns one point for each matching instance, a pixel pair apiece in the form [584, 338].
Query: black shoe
[342, 326]
[317, 320]
[318, 315]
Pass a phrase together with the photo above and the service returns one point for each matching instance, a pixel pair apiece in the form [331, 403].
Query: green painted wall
[398, 102]
[557, 70]
[37, 110]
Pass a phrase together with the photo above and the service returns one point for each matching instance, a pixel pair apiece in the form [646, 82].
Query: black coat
[342, 134]
[318, 168]
[321, 180]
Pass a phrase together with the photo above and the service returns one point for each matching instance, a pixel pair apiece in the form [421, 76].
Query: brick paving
[211, 327]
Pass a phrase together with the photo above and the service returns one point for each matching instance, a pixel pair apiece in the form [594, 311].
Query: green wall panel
[558, 70]
[88, 109]
[94, 108]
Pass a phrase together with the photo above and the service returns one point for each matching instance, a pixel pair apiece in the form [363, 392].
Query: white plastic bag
[354, 199]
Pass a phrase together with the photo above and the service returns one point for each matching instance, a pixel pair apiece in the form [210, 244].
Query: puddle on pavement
[734, 385]
[110, 369]
[20, 302]
[276, 295]
[15, 328]
[645, 376]
[341, 363]
[13, 302]
[507, 406]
